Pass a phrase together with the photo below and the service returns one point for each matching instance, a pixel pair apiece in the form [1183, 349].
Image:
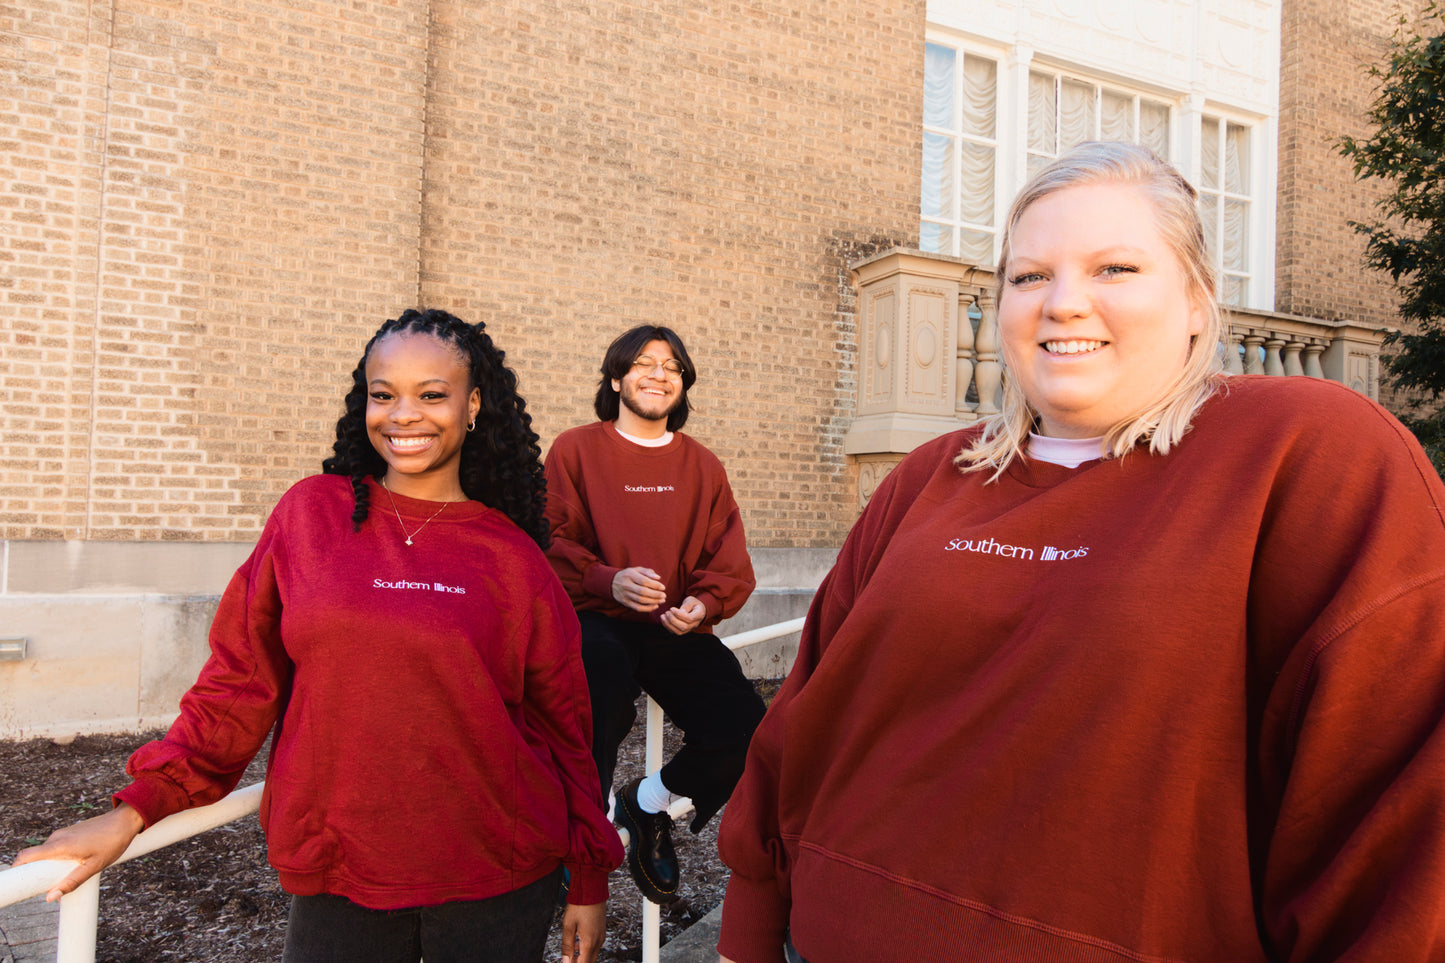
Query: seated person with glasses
[648, 542]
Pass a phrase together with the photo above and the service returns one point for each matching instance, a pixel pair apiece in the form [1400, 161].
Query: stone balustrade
[930, 359]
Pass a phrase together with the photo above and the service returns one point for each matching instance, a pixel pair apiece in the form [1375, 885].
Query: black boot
[650, 857]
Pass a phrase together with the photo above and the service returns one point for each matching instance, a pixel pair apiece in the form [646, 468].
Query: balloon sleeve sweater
[613, 504]
[1154, 708]
[432, 719]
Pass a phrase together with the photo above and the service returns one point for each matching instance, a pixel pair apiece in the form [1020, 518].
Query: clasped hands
[641, 590]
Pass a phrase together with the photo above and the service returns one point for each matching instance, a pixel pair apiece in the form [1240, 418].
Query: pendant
[408, 541]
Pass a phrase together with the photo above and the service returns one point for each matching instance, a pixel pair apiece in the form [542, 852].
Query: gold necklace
[398, 514]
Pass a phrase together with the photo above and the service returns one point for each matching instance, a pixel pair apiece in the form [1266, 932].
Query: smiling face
[417, 411]
[1096, 313]
[648, 393]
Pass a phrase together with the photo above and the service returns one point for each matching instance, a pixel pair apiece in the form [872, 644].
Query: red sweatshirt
[613, 504]
[434, 743]
[1156, 708]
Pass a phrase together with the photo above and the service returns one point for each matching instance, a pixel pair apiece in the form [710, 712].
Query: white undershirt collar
[646, 442]
[1069, 452]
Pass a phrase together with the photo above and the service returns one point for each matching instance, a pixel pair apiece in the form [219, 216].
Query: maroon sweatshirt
[435, 739]
[613, 504]
[1155, 708]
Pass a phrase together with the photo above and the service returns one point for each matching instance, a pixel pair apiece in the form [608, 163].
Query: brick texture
[206, 208]
[1326, 92]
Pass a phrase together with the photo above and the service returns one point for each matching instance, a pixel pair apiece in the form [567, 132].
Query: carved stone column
[1353, 358]
[988, 376]
[1273, 365]
[1253, 363]
[1292, 363]
[963, 368]
[909, 350]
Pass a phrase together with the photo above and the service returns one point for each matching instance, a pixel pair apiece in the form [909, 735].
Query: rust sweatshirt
[434, 733]
[1155, 708]
[613, 504]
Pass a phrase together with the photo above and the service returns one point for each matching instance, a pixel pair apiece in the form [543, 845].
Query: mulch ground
[214, 899]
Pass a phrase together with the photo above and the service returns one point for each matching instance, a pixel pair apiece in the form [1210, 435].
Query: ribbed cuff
[597, 581]
[754, 922]
[153, 796]
[588, 885]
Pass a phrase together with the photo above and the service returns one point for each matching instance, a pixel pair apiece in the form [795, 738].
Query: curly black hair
[501, 462]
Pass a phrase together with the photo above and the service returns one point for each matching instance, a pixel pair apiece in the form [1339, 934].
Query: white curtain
[1116, 116]
[938, 66]
[1043, 114]
[975, 201]
[1076, 113]
[1236, 159]
[937, 200]
[980, 94]
[1209, 153]
[1236, 235]
[1154, 126]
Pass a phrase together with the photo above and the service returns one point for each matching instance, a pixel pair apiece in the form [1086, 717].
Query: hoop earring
[473, 425]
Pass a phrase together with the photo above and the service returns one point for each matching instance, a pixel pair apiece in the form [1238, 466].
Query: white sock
[652, 795]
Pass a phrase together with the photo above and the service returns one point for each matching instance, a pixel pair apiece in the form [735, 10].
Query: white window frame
[952, 219]
[1186, 113]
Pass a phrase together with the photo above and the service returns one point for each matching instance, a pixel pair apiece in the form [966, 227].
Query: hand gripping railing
[80, 910]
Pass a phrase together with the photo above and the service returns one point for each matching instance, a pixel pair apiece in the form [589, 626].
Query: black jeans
[699, 684]
[510, 928]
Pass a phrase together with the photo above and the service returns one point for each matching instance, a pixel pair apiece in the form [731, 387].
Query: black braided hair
[501, 462]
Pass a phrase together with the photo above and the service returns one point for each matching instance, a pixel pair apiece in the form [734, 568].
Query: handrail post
[79, 917]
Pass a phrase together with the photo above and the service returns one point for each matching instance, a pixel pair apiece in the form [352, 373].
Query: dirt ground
[214, 899]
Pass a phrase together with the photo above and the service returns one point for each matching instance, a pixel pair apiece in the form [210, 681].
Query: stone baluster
[988, 373]
[963, 366]
[1253, 363]
[1292, 365]
[1273, 365]
[1233, 353]
[1312, 366]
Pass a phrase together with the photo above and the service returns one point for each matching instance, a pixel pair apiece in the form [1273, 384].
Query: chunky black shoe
[650, 857]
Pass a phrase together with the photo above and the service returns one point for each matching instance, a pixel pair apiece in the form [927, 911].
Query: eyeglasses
[671, 367]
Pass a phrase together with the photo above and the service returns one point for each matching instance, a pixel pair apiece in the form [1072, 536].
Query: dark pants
[698, 683]
[510, 928]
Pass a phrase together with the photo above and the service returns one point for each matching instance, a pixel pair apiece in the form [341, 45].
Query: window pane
[938, 67]
[937, 175]
[977, 248]
[1043, 114]
[980, 90]
[1209, 152]
[934, 238]
[1236, 159]
[1076, 113]
[1209, 215]
[1116, 116]
[1154, 126]
[1234, 290]
[1236, 235]
[1037, 162]
[976, 197]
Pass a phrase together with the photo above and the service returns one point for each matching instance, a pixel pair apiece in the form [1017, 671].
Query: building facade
[206, 209]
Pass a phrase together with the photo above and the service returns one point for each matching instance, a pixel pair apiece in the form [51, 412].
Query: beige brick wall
[205, 208]
[1325, 92]
[712, 167]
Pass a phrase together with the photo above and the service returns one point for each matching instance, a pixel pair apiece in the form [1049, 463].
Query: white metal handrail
[80, 910]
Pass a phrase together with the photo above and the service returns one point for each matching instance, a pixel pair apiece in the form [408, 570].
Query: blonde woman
[1149, 667]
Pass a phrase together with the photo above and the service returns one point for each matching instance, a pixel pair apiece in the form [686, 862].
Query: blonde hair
[1165, 420]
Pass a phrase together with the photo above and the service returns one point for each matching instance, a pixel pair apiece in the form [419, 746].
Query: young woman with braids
[400, 630]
